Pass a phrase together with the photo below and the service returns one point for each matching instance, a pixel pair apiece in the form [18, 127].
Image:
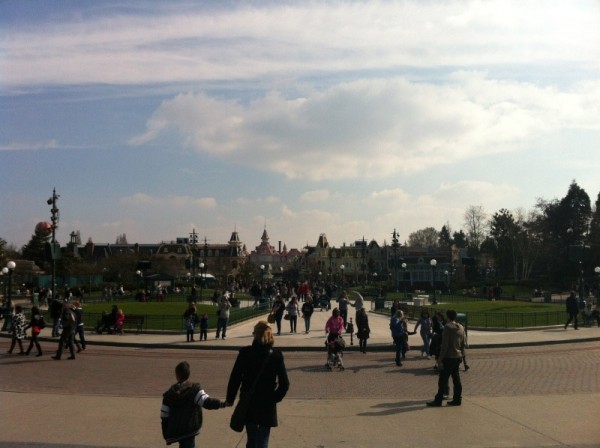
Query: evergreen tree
[35, 249]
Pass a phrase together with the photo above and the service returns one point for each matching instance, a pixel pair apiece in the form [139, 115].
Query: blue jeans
[221, 327]
[258, 436]
[426, 338]
[307, 323]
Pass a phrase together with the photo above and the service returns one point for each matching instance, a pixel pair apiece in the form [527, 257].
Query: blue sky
[347, 118]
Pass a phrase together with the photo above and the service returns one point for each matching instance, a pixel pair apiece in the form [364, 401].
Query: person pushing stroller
[334, 327]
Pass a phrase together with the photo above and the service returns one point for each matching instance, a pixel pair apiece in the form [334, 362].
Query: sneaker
[224, 338]
[428, 357]
[434, 403]
[453, 403]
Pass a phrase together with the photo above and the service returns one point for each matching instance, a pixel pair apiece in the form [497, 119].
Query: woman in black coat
[271, 386]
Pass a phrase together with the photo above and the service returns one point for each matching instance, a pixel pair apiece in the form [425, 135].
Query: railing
[493, 320]
[176, 323]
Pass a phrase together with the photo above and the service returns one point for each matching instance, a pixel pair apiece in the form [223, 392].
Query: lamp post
[395, 245]
[597, 271]
[139, 275]
[202, 277]
[404, 278]
[433, 264]
[342, 267]
[8, 270]
[262, 282]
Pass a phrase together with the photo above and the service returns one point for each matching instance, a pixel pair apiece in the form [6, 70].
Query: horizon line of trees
[559, 239]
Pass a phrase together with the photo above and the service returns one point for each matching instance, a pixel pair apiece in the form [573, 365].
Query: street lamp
[139, 275]
[433, 264]
[8, 270]
[597, 271]
[404, 278]
[262, 282]
[342, 267]
[202, 277]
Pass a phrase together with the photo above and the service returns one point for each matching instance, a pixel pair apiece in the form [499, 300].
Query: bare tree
[475, 224]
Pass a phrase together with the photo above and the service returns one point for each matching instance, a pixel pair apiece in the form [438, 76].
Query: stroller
[335, 352]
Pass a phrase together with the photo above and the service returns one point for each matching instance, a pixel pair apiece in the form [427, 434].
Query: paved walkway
[240, 335]
[483, 421]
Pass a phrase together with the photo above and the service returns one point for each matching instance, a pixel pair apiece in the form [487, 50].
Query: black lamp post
[395, 245]
[433, 264]
[342, 267]
[597, 271]
[8, 270]
[202, 277]
[262, 282]
[404, 277]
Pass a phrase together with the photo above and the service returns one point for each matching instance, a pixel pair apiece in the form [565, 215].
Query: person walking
[399, 335]
[223, 316]
[55, 306]
[261, 367]
[572, 310]
[68, 319]
[278, 310]
[37, 324]
[307, 311]
[293, 310]
[452, 351]
[363, 330]
[17, 330]
[343, 303]
[425, 325]
[79, 330]
[181, 409]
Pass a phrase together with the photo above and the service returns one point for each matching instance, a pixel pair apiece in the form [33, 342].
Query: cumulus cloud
[373, 128]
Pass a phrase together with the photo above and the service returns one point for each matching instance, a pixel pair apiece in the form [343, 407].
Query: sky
[348, 118]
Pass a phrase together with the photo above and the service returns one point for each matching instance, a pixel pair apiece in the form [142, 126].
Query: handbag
[271, 318]
[287, 316]
[238, 417]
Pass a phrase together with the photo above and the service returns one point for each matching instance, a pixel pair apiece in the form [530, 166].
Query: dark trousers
[362, 344]
[450, 369]
[572, 316]
[34, 341]
[222, 327]
[66, 338]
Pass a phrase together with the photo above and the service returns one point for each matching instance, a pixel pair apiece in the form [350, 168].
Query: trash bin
[379, 303]
[461, 318]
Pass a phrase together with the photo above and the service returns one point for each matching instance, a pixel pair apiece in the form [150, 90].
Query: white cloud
[246, 42]
[376, 128]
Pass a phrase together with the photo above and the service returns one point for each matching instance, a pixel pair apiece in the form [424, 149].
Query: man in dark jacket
[573, 310]
[451, 354]
[181, 410]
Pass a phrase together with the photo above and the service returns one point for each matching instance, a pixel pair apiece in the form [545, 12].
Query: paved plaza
[538, 388]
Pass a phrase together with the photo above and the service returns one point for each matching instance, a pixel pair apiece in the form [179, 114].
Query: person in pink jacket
[334, 325]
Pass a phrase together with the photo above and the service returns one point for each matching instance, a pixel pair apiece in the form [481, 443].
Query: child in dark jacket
[181, 410]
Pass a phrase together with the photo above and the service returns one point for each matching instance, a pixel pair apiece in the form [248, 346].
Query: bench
[135, 319]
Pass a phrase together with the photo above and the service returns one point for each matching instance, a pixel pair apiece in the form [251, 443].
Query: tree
[35, 249]
[594, 234]
[445, 240]
[562, 225]
[121, 239]
[427, 237]
[459, 238]
[504, 232]
[475, 222]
